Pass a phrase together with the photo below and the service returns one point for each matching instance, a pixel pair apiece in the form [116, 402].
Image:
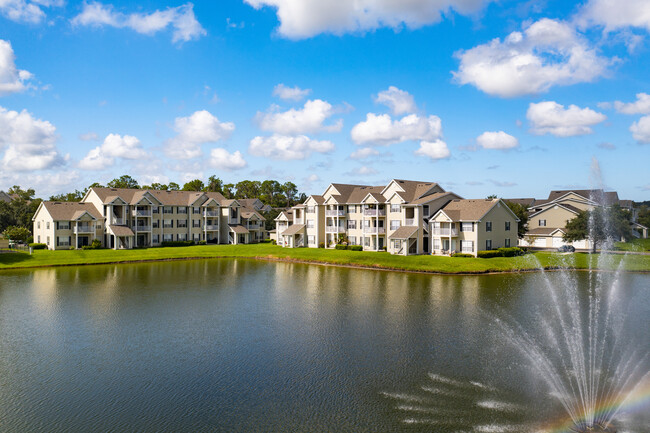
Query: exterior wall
[555, 217]
[498, 215]
[41, 231]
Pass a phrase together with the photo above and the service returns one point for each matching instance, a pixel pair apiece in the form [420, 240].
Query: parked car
[567, 249]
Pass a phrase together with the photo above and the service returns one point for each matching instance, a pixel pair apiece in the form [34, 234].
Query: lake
[253, 346]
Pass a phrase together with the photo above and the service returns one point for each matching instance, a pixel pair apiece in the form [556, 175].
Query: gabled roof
[376, 196]
[70, 211]
[286, 214]
[434, 196]
[543, 231]
[597, 195]
[250, 213]
[164, 198]
[404, 232]
[412, 189]
[319, 199]
[294, 229]
[566, 206]
[121, 231]
[238, 228]
[470, 210]
[528, 202]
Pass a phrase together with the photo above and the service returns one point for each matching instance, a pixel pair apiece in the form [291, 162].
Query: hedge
[488, 254]
[462, 255]
[341, 247]
[511, 251]
[38, 246]
[177, 243]
[356, 247]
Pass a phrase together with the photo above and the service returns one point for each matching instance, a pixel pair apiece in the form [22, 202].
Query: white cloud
[545, 54]
[284, 147]
[640, 106]
[307, 18]
[615, 14]
[382, 130]
[199, 128]
[12, 79]
[220, 158]
[114, 146]
[497, 140]
[641, 130]
[29, 143]
[549, 117]
[399, 101]
[309, 119]
[433, 149]
[364, 170]
[26, 11]
[364, 152]
[89, 136]
[290, 93]
[180, 18]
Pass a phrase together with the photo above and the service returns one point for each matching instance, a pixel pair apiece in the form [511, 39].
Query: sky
[484, 97]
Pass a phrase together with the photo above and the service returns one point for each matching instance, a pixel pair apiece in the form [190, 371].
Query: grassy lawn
[354, 258]
[636, 245]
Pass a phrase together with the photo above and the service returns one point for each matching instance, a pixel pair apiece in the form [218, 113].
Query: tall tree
[269, 190]
[228, 191]
[247, 189]
[522, 213]
[173, 186]
[124, 181]
[70, 196]
[17, 191]
[290, 191]
[599, 225]
[194, 185]
[214, 184]
[16, 233]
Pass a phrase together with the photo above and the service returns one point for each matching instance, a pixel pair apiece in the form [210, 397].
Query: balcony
[233, 221]
[118, 221]
[374, 212]
[375, 230]
[409, 222]
[142, 213]
[254, 226]
[334, 229]
[142, 228]
[84, 229]
[211, 227]
[334, 213]
[445, 232]
[211, 213]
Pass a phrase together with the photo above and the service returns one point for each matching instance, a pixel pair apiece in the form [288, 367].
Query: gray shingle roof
[404, 232]
[468, 210]
[69, 211]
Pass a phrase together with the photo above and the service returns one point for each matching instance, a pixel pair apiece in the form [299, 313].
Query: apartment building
[469, 226]
[63, 225]
[392, 217]
[129, 218]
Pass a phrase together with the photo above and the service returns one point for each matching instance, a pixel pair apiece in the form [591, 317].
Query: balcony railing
[211, 227]
[142, 213]
[84, 229]
[445, 232]
[375, 230]
[409, 222]
[142, 228]
[233, 221]
[374, 212]
[118, 221]
[334, 229]
[334, 213]
[211, 213]
[254, 226]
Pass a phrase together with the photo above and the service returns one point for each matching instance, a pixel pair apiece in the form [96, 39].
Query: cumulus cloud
[433, 149]
[29, 144]
[220, 158]
[114, 146]
[26, 11]
[640, 106]
[615, 14]
[364, 152]
[290, 93]
[181, 19]
[309, 119]
[284, 147]
[641, 130]
[497, 140]
[549, 117]
[12, 79]
[382, 130]
[546, 54]
[199, 128]
[399, 101]
[307, 18]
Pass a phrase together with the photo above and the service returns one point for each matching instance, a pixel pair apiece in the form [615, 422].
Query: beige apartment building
[392, 217]
[469, 226]
[129, 218]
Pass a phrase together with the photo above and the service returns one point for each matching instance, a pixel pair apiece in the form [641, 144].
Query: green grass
[638, 245]
[441, 264]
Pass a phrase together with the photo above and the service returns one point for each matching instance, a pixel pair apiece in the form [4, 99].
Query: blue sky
[508, 98]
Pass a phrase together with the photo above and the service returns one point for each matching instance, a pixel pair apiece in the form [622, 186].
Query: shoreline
[271, 258]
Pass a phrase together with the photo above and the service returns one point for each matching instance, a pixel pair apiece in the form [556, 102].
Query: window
[397, 244]
[488, 226]
[155, 210]
[181, 236]
[488, 244]
[181, 210]
[47, 225]
[352, 240]
[38, 224]
[196, 237]
[155, 224]
[311, 209]
[311, 239]
[181, 223]
[467, 246]
[366, 241]
[196, 210]
[542, 223]
[155, 239]
[352, 224]
[310, 224]
[507, 226]
[196, 223]
[507, 243]
[48, 241]
[436, 244]
[395, 224]
[395, 208]
[62, 241]
[39, 239]
[63, 225]
[466, 227]
[168, 238]
[168, 224]
[168, 209]
[351, 208]
[425, 210]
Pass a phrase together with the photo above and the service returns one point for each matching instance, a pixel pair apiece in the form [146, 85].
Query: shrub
[511, 251]
[95, 245]
[356, 247]
[321, 245]
[341, 247]
[176, 243]
[38, 246]
[382, 249]
[274, 242]
[202, 243]
[461, 255]
[488, 254]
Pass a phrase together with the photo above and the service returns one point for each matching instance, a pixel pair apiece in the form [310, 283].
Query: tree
[644, 215]
[94, 185]
[269, 191]
[70, 196]
[194, 185]
[214, 184]
[16, 233]
[124, 181]
[228, 191]
[522, 213]
[599, 225]
[155, 186]
[20, 193]
[173, 186]
[247, 189]
[290, 191]
[492, 196]
[302, 197]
